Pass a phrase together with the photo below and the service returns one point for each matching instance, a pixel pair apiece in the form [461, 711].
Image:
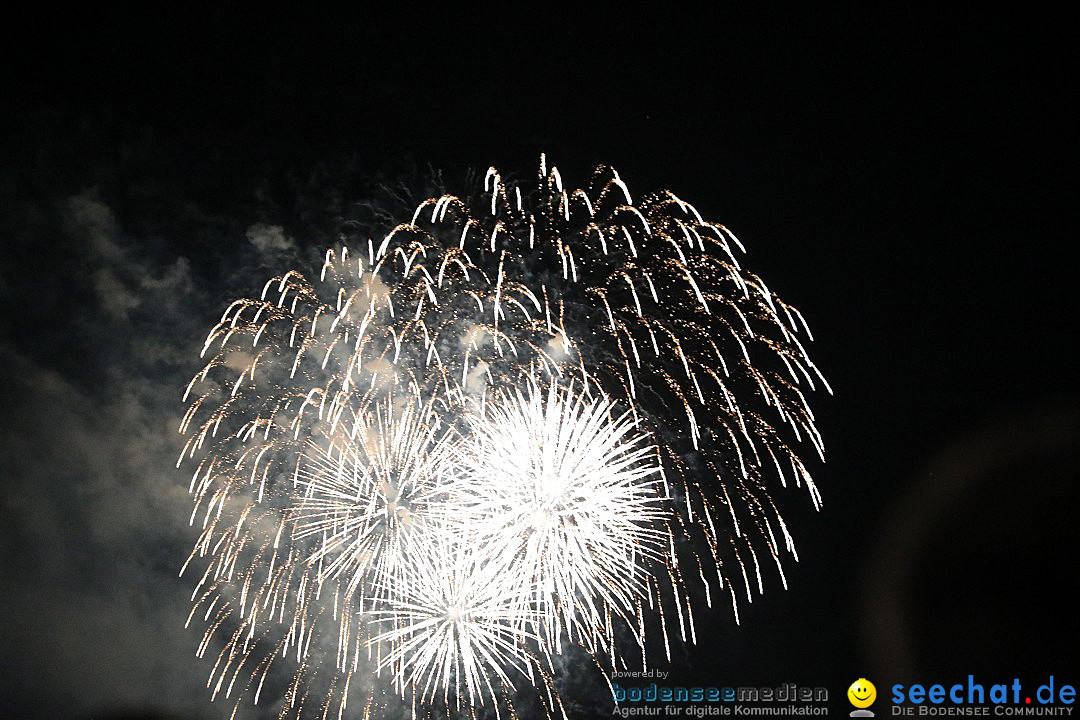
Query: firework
[370, 489]
[567, 490]
[520, 421]
[454, 623]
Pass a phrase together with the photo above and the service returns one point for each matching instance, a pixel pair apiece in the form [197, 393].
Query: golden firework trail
[525, 421]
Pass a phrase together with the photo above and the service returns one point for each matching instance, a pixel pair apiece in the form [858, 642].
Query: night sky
[903, 180]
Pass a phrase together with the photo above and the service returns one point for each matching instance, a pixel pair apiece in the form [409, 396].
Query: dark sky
[903, 180]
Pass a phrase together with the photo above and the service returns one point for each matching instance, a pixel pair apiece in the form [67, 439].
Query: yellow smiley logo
[862, 693]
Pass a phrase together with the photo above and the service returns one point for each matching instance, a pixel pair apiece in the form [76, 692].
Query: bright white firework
[367, 491]
[320, 425]
[569, 491]
[453, 623]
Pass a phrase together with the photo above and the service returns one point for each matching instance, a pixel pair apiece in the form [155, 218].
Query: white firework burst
[365, 492]
[570, 492]
[518, 421]
[452, 623]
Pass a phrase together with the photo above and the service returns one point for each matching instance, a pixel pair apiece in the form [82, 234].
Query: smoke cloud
[95, 511]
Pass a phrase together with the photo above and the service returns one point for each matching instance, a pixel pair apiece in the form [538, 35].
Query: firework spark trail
[588, 394]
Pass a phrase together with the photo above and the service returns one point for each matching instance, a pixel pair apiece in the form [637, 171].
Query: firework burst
[365, 493]
[571, 493]
[524, 420]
